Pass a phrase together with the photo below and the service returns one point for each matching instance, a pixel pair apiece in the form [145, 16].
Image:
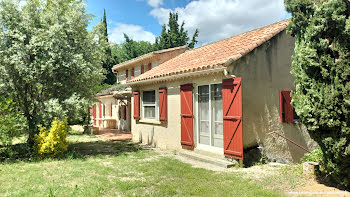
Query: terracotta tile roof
[144, 57]
[216, 54]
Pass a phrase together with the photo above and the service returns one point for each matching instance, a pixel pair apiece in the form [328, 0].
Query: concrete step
[202, 157]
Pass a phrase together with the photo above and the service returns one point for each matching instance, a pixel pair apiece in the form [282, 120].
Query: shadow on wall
[265, 72]
[277, 147]
[149, 138]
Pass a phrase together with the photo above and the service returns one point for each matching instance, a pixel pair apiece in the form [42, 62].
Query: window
[287, 112]
[210, 117]
[149, 104]
[142, 69]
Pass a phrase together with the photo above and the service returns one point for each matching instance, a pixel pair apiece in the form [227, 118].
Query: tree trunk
[32, 131]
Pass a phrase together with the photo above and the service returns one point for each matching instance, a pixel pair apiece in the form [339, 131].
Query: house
[223, 98]
[113, 107]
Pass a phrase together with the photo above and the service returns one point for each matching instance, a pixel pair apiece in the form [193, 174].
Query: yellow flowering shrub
[52, 143]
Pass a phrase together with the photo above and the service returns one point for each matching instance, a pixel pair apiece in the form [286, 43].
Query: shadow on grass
[113, 148]
[76, 150]
[322, 178]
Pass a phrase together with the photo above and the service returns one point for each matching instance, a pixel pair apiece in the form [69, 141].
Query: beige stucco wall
[168, 135]
[264, 72]
[122, 76]
[159, 59]
[163, 57]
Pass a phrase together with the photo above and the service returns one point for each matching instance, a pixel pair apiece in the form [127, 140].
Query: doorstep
[208, 157]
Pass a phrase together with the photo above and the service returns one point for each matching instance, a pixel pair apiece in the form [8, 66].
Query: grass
[95, 167]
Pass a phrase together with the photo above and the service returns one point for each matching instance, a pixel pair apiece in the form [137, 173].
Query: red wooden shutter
[232, 117]
[94, 113]
[124, 112]
[126, 75]
[132, 73]
[100, 113]
[136, 105]
[142, 69]
[149, 66]
[286, 108]
[186, 116]
[163, 104]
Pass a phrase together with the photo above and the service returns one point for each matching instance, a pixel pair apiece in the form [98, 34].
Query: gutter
[176, 76]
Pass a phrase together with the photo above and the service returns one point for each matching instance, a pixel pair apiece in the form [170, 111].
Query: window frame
[156, 105]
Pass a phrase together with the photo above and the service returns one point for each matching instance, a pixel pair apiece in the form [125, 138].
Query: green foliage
[47, 55]
[315, 156]
[52, 143]
[131, 49]
[175, 35]
[12, 122]
[322, 78]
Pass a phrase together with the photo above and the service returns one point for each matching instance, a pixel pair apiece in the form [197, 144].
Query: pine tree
[174, 35]
[131, 49]
[321, 66]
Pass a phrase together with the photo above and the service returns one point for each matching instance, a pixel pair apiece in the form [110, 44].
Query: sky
[215, 19]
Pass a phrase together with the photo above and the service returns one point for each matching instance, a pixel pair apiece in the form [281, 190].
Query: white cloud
[135, 32]
[155, 3]
[218, 19]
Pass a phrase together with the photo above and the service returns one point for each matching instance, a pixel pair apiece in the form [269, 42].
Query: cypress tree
[321, 66]
[108, 61]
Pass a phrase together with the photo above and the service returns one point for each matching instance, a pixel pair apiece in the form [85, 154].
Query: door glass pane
[216, 115]
[203, 114]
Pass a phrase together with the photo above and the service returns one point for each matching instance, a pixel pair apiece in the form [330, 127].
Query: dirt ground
[108, 134]
[285, 178]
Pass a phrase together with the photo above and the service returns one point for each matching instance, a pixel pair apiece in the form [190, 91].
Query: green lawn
[97, 167]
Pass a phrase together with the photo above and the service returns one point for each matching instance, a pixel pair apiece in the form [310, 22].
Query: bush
[12, 122]
[52, 143]
[315, 156]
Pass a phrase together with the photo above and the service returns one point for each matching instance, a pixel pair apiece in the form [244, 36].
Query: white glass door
[210, 130]
[216, 115]
[203, 115]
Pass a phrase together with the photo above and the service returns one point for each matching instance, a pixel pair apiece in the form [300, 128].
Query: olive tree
[47, 56]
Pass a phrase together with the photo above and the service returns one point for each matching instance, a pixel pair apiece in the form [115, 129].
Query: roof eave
[128, 64]
[175, 77]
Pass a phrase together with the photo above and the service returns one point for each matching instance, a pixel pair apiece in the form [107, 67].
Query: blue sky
[215, 19]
